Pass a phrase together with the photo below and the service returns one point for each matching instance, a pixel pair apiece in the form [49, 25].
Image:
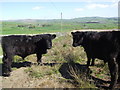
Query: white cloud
[114, 5]
[92, 6]
[37, 7]
[59, 0]
[79, 9]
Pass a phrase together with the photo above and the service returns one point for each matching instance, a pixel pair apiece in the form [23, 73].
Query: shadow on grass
[21, 64]
[83, 70]
[26, 64]
[65, 71]
[16, 65]
[66, 68]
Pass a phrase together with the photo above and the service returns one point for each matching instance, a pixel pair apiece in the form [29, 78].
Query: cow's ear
[84, 33]
[53, 36]
[72, 33]
[36, 38]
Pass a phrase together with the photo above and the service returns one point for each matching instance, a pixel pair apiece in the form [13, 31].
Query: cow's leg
[88, 62]
[93, 62]
[5, 70]
[118, 61]
[7, 61]
[118, 73]
[113, 67]
[39, 56]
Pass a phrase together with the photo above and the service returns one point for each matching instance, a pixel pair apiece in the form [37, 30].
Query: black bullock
[24, 45]
[101, 45]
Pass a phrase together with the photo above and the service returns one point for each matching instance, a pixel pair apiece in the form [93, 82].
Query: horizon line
[57, 18]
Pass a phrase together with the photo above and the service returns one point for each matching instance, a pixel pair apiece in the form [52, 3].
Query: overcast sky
[51, 9]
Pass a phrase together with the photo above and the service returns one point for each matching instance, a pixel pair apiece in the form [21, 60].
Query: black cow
[24, 45]
[101, 45]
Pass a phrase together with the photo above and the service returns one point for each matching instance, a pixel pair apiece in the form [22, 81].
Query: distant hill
[78, 20]
[35, 26]
[97, 19]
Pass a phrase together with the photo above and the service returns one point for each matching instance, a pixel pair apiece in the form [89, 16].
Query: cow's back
[101, 44]
[18, 44]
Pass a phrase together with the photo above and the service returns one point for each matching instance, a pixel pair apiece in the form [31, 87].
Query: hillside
[63, 66]
[80, 19]
[36, 26]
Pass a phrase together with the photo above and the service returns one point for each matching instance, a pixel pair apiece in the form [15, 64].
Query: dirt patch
[17, 79]
[20, 79]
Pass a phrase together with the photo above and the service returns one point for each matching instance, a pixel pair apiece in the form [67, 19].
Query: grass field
[60, 64]
[62, 61]
[50, 26]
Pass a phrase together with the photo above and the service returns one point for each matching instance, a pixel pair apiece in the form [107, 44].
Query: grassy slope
[62, 52]
[10, 27]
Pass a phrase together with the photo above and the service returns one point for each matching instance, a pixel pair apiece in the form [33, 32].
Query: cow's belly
[104, 54]
[25, 51]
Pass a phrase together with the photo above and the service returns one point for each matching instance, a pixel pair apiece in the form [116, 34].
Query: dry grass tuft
[62, 54]
[81, 79]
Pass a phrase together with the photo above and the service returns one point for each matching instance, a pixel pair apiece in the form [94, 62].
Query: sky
[51, 9]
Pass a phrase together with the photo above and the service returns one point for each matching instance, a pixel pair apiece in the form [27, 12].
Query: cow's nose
[74, 45]
[49, 48]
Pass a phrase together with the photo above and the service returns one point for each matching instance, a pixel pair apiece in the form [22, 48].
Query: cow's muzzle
[74, 45]
[49, 47]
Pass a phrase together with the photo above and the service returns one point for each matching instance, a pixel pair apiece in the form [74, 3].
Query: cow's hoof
[118, 81]
[118, 86]
[111, 87]
[92, 64]
[6, 74]
[10, 70]
[41, 64]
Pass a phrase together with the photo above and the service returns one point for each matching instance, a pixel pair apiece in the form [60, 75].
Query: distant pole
[61, 21]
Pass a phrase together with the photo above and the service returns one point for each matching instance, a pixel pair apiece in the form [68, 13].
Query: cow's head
[43, 42]
[48, 40]
[77, 38]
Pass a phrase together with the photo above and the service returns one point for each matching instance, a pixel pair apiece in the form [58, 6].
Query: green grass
[37, 71]
[1, 53]
[11, 27]
[61, 52]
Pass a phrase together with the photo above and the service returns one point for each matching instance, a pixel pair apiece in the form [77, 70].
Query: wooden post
[61, 21]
